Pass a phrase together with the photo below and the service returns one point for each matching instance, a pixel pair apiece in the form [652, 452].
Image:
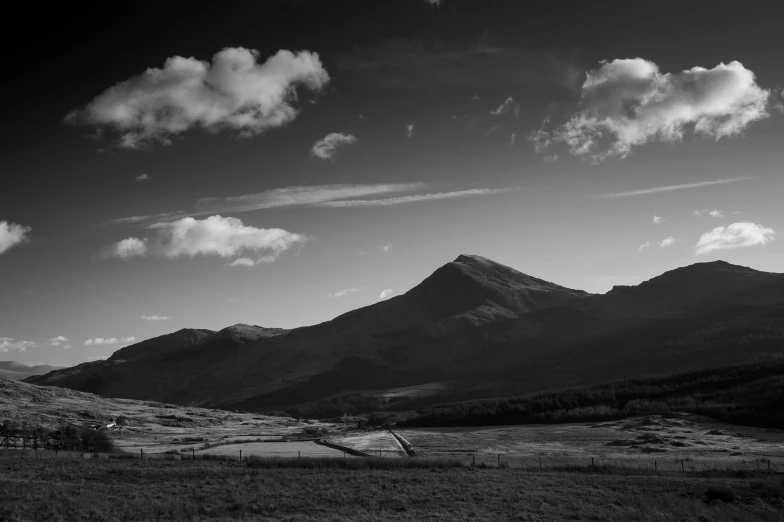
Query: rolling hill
[478, 327]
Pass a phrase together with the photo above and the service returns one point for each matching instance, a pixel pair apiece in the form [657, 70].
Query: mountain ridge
[468, 324]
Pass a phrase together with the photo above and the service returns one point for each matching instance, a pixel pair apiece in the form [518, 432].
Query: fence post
[141, 452]
[240, 454]
[682, 468]
[593, 465]
[768, 466]
[193, 454]
[655, 466]
[473, 460]
[540, 463]
[299, 454]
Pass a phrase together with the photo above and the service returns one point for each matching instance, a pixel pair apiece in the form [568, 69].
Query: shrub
[722, 493]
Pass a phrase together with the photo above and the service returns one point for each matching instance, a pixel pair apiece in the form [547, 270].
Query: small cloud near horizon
[155, 317]
[736, 235]
[385, 293]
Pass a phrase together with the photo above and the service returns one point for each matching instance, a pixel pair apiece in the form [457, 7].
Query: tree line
[749, 395]
[21, 435]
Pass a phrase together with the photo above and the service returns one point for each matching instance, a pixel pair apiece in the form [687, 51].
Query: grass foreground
[234, 490]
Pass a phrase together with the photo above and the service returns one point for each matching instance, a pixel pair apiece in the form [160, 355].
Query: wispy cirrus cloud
[628, 102]
[508, 106]
[233, 92]
[667, 241]
[215, 235]
[142, 177]
[12, 234]
[670, 188]
[343, 293]
[736, 235]
[645, 245]
[155, 317]
[712, 213]
[402, 200]
[327, 147]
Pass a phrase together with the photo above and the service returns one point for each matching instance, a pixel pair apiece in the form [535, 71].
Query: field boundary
[350, 451]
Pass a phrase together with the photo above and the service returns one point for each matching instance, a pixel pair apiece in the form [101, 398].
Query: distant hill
[18, 371]
[476, 326]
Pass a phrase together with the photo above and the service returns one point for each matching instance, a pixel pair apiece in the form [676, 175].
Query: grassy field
[213, 490]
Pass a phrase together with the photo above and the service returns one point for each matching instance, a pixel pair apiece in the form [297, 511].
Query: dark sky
[421, 89]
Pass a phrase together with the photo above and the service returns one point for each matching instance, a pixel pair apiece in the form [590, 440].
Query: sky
[282, 162]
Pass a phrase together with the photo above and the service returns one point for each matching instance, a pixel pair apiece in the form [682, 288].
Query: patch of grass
[722, 493]
[352, 463]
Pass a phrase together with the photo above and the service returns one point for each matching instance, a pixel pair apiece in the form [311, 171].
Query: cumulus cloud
[387, 247]
[385, 293]
[56, 341]
[327, 147]
[712, 213]
[155, 317]
[9, 343]
[101, 341]
[509, 106]
[670, 188]
[233, 92]
[215, 235]
[645, 245]
[657, 220]
[400, 200]
[716, 213]
[667, 241]
[629, 102]
[12, 234]
[736, 235]
[512, 139]
[142, 177]
[343, 293]
[410, 130]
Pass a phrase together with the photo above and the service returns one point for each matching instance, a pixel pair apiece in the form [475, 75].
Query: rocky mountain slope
[477, 326]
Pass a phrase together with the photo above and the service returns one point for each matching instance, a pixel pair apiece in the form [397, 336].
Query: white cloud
[387, 247]
[716, 213]
[645, 245]
[342, 293]
[142, 177]
[12, 234]
[551, 158]
[410, 130]
[711, 213]
[627, 103]
[509, 106]
[9, 343]
[130, 247]
[411, 199]
[327, 147]
[233, 92]
[736, 235]
[246, 261]
[667, 241]
[657, 220]
[512, 139]
[67, 347]
[56, 341]
[101, 341]
[670, 188]
[215, 235]
[155, 317]
[385, 293]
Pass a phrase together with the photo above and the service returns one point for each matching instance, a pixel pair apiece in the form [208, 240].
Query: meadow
[355, 489]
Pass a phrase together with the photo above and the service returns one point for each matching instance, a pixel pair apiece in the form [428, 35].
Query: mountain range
[16, 371]
[474, 328]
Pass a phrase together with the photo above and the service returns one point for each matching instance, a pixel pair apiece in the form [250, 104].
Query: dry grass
[219, 490]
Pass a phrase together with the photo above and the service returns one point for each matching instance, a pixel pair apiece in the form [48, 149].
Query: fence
[545, 463]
